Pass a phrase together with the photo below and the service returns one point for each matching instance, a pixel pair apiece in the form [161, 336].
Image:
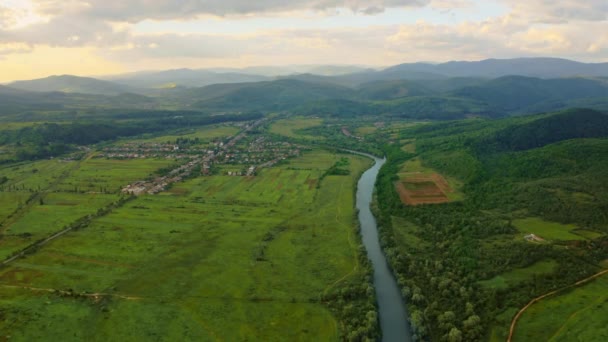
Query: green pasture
[366, 130]
[214, 258]
[34, 176]
[10, 201]
[576, 315]
[314, 160]
[547, 230]
[57, 211]
[519, 275]
[289, 127]
[588, 234]
[110, 175]
[205, 133]
[59, 193]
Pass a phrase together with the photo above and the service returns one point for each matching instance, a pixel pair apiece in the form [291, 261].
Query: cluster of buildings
[136, 150]
[261, 151]
[159, 184]
[199, 157]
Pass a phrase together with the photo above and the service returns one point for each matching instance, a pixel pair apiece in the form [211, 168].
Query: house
[533, 238]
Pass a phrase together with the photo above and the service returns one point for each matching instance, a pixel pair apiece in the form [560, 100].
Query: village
[134, 150]
[246, 154]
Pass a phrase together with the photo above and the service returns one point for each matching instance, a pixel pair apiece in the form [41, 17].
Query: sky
[39, 38]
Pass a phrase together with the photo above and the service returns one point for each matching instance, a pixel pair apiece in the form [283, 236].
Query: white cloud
[560, 11]
[560, 28]
[138, 10]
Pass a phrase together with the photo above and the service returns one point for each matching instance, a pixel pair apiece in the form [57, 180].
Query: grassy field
[214, 258]
[409, 145]
[547, 230]
[44, 197]
[366, 130]
[405, 235]
[34, 176]
[518, 275]
[110, 175]
[577, 315]
[205, 133]
[289, 127]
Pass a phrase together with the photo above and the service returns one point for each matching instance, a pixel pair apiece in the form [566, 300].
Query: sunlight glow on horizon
[48, 37]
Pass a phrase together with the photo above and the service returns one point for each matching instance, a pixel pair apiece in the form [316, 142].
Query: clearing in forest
[420, 185]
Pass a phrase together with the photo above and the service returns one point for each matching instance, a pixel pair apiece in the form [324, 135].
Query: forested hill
[72, 84]
[543, 174]
[516, 93]
[439, 99]
[434, 99]
[276, 95]
[571, 124]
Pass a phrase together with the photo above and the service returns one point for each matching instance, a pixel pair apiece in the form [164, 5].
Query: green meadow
[44, 197]
[547, 230]
[576, 315]
[214, 258]
[205, 133]
[519, 275]
[110, 175]
[289, 127]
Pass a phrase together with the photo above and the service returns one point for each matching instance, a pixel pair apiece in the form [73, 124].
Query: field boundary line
[533, 301]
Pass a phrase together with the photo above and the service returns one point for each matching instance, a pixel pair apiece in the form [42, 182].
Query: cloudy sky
[95, 37]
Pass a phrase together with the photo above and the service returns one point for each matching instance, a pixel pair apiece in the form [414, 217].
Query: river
[391, 308]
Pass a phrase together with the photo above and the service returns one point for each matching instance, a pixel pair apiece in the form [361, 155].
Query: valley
[233, 211]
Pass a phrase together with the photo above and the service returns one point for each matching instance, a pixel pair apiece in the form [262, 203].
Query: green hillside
[516, 93]
[72, 84]
[543, 174]
[388, 90]
[276, 95]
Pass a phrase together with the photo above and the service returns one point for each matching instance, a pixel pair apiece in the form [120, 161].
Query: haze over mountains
[346, 75]
[420, 90]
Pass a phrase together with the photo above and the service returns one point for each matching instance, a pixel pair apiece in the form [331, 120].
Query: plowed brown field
[417, 188]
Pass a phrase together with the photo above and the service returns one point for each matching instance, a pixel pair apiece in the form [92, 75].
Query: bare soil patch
[418, 188]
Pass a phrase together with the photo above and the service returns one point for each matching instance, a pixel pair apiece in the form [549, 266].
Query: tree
[455, 335]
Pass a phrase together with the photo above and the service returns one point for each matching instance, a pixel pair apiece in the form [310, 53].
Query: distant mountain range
[350, 76]
[438, 99]
[184, 78]
[73, 84]
[443, 91]
[492, 68]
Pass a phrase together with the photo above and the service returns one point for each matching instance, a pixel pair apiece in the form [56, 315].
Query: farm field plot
[366, 130]
[220, 257]
[289, 127]
[420, 185]
[10, 201]
[57, 211]
[547, 230]
[34, 176]
[577, 315]
[110, 175]
[44, 197]
[314, 160]
[206, 133]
